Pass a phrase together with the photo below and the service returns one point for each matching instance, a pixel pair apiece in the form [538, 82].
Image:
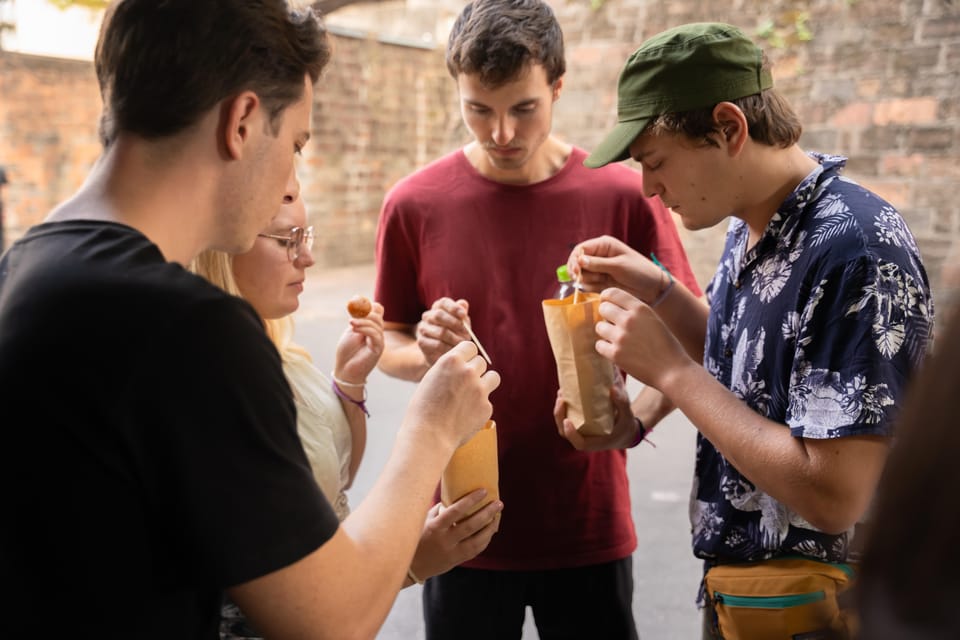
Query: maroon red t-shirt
[448, 231]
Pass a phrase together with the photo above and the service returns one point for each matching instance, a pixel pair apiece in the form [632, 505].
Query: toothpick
[476, 341]
[578, 283]
[577, 289]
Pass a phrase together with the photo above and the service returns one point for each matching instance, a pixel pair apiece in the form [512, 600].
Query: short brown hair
[498, 39]
[161, 65]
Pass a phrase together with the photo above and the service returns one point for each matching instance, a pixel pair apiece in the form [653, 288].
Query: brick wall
[878, 81]
[383, 108]
[48, 133]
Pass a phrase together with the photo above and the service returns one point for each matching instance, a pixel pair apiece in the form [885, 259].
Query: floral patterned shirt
[817, 327]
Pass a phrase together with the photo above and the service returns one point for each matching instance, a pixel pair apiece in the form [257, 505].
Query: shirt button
[728, 353]
[736, 285]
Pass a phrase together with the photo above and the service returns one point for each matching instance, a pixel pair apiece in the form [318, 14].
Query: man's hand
[442, 327]
[608, 262]
[452, 402]
[633, 337]
[450, 537]
[624, 425]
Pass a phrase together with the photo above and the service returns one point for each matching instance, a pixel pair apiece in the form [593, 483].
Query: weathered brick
[902, 165]
[916, 59]
[881, 138]
[820, 139]
[854, 114]
[951, 56]
[940, 28]
[937, 85]
[931, 139]
[866, 166]
[940, 197]
[869, 87]
[944, 221]
[905, 111]
[859, 57]
[943, 166]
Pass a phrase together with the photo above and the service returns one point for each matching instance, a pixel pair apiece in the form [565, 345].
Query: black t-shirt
[149, 448]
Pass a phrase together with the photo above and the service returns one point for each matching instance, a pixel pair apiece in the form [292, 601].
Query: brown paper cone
[473, 466]
[585, 376]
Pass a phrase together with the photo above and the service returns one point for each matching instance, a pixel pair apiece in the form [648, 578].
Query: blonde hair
[217, 267]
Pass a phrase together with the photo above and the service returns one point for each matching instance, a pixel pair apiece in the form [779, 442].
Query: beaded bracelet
[663, 292]
[413, 576]
[642, 433]
[335, 385]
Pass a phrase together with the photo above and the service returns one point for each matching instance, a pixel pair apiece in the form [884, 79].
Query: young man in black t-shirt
[147, 408]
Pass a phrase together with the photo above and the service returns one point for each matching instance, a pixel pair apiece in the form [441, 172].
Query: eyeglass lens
[299, 237]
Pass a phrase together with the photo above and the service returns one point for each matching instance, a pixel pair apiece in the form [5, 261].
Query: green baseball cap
[689, 67]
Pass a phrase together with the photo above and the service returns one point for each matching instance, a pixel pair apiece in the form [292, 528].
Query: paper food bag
[473, 466]
[585, 376]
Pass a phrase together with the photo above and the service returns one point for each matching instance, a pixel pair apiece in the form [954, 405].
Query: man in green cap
[818, 313]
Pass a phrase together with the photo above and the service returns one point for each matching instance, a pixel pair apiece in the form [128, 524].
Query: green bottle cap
[562, 274]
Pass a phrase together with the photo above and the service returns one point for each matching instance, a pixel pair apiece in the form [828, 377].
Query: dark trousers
[582, 603]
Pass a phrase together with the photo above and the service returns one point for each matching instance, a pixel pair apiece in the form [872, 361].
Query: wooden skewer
[578, 284]
[476, 341]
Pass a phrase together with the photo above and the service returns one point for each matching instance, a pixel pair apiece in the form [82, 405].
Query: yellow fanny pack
[782, 599]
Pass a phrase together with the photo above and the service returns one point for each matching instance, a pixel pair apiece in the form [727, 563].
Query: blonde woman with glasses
[331, 411]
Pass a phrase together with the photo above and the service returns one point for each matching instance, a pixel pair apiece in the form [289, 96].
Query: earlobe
[557, 86]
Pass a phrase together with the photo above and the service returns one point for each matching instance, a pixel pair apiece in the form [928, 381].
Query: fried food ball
[359, 306]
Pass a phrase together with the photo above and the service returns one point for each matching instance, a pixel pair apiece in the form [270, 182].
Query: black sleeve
[232, 484]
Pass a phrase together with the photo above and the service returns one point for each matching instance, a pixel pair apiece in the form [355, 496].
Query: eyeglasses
[298, 238]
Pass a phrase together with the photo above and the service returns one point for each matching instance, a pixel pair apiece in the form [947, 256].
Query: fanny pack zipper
[769, 602]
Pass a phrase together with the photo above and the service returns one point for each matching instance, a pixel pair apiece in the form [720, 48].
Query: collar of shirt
[782, 226]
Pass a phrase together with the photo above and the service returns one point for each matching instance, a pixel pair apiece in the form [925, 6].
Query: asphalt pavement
[666, 574]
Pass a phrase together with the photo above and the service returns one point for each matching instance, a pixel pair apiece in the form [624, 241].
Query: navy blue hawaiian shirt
[817, 327]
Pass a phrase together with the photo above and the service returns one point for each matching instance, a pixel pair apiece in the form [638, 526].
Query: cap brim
[616, 146]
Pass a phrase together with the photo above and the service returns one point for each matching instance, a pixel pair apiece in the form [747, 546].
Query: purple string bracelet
[340, 394]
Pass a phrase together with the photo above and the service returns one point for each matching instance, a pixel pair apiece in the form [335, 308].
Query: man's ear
[236, 116]
[731, 125]
[557, 86]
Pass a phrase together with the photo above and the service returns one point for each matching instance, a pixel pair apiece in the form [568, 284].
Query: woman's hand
[360, 347]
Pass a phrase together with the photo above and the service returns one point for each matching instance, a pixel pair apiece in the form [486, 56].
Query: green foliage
[787, 29]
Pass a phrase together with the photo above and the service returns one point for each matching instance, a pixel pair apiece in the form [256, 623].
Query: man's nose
[503, 131]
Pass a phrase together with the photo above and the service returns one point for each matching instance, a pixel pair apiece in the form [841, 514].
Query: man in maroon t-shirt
[475, 238]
